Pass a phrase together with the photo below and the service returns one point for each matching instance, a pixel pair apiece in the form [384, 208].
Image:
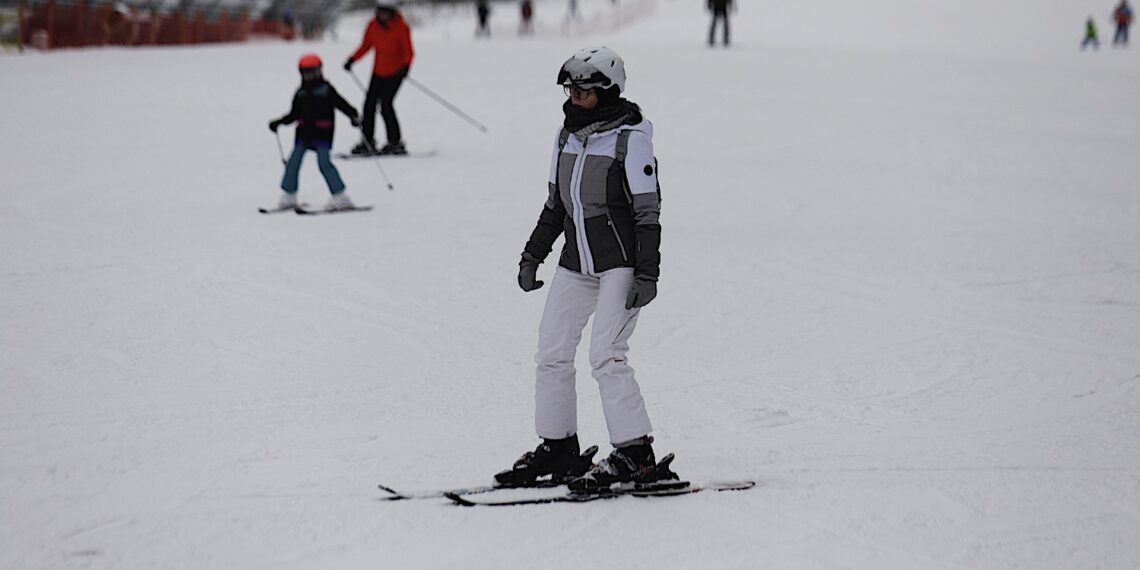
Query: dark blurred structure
[50, 24]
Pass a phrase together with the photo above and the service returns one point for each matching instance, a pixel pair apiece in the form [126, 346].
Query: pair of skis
[304, 210]
[665, 488]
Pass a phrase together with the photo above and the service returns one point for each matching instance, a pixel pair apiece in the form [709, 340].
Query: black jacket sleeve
[344, 106]
[291, 116]
[648, 251]
[549, 227]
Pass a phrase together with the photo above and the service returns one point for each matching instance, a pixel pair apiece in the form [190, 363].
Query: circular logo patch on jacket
[648, 170]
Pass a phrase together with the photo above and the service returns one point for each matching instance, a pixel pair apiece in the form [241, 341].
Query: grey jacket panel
[646, 209]
[607, 208]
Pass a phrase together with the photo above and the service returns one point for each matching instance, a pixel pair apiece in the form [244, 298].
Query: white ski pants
[573, 297]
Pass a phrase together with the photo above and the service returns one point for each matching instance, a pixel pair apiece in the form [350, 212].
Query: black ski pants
[382, 90]
[722, 15]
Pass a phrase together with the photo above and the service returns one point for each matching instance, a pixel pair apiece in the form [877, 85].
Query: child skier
[603, 195]
[313, 111]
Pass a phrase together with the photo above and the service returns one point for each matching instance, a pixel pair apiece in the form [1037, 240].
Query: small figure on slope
[313, 110]
[1122, 15]
[483, 11]
[1090, 35]
[603, 195]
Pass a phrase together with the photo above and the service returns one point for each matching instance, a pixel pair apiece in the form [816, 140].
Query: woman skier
[603, 195]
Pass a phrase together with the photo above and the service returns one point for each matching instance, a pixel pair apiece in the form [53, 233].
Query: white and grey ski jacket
[604, 195]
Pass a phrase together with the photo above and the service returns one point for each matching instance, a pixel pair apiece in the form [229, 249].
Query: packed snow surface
[900, 289]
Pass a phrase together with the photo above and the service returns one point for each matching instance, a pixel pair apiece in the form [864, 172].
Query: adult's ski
[410, 154]
[395, 495]
[587, 456]
[307, 212]
[667, 489]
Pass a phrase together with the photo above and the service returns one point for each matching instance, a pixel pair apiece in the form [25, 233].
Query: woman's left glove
[643, 291]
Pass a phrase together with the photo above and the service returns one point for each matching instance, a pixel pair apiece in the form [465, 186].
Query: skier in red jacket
[389, 35]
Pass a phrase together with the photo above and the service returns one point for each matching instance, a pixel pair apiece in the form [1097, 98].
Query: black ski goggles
[581, 75]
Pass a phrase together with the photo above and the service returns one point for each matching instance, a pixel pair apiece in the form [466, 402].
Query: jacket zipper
[613, 228]
[584, 256]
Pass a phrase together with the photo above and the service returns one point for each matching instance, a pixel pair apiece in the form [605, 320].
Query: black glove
[274, 124]
[355, 120]
[528, 270]
[643, 291]
[348, 64]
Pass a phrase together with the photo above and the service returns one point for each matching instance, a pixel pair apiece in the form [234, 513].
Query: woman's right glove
[528, 271]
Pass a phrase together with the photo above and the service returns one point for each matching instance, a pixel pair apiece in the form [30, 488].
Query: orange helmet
[309, 61]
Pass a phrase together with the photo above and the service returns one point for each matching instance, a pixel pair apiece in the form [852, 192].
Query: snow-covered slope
[900, 288]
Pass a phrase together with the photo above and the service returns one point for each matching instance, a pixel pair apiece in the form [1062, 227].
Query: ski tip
[395, 495]
[458, 500]
[733, 485]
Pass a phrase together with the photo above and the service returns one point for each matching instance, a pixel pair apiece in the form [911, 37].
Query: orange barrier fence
[49, 25]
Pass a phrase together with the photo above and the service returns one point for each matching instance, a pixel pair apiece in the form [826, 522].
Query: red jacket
[393, 45]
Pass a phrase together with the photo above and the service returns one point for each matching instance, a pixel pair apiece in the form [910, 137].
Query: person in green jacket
[1090, 35]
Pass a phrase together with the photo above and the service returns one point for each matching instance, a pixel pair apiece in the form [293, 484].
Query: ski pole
[368, 143]
[431, 94]
[280, 149]
[358, 83]
[443, 102]
[376, 157]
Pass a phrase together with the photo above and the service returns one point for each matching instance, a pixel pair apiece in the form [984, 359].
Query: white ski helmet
[592, 68]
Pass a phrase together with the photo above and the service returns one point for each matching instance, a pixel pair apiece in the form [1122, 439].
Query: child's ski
[279, 209]
[307, 212]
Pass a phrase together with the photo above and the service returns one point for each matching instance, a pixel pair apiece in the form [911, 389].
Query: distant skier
[603, 195]
[572, 11]
[1090, 35]
[526, 27]
[313, 110]
[390, 37]
[1122, 15]
[719, 9]
[483, 11]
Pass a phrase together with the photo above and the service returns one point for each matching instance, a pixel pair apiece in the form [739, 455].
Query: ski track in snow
[900, 290]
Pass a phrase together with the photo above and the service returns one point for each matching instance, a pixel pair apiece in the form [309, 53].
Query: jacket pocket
[617, 236]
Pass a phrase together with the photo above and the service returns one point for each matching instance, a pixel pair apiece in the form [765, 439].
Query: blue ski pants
[324, 161]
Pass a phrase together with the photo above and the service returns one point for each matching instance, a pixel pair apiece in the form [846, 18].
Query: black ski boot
[396, 148]
[364, 148]
[633, 464]
[557, 459]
